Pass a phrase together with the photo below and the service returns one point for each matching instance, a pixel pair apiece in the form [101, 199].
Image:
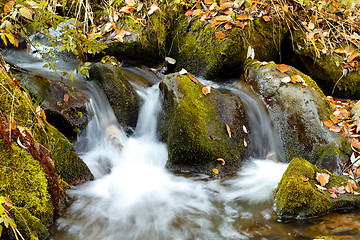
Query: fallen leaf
[331, 126]
[355, 143]
[304, 179]
[26, 13]
[283, 68]
[197, 12]
[130, 3]
[59, 103]
[243, 17]
[208, 2]
[245, 143]
[170, 60]
[198, 5]
[215, 171]
[213, 6]
[228, 130]
[353, 184]
[222, 18]
[193, 79]
[297, 79]
[286, 8]
[206, 90]
[320, 187]
[286, 80]
[20, 144]
[66, 98]
[189, 13]
[244, 129]
[266, 18]
[220, 35]
[333, 195]
[250, 52]
[228, 25]
[221, 160]
[153, 8]
[8, 6]
[349, 187]
[183, 71]
[226, 5]
[340, 51]
[127, 9]
[322, 178]
[352, 56]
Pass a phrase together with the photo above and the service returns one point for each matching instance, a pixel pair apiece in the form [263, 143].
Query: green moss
[24, 181]
[298, 199]
[197, 49]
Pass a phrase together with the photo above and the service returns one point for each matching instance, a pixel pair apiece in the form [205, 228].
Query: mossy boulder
[327, 69]
[22, 178]
[298, 111]
[194, 127]
[197, 49]
[145, 44]
[121, 95]
[65, 108]
[300, 199]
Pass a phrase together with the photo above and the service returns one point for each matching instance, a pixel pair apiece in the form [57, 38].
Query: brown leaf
[322, 178]
[127, 9]
[215, 23]
[221, 160]
[352, 56]
[59, 103]
[8, 6]
[355, 143]
[193, 79]
[282, 68]
[222, 18]
[304, 179]
[228, 130]
[353, 184]
[215, 171]
[333, 195]
[227, 5]
[220, 35]
[239, 24]
[266, 18]
[357, 171]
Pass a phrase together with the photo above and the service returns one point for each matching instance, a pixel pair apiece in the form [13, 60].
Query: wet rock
[122, 96]
[65, 108]
[198, 50]
[298, 111]
[194, 127]
[326, 69]
[22, 178]
[298, 199]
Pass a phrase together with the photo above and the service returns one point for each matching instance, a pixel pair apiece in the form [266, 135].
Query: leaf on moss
[304, 179]
[322, 178]
[193, 79]
[206, 90]
[266, 18]
[215, 171]
[66, 98]
[283, 68]
[127, 9]
[228, 130]
[220, 35]
[221, 160]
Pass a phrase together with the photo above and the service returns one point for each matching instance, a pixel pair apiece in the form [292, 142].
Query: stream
[134, 196]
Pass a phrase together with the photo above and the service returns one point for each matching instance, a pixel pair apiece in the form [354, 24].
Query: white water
[135, 197]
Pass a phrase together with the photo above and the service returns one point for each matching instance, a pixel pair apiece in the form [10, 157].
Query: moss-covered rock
[23, 178]
[198, 50]
[298, 111]
[296, 198]
[65, 108]
[327, 69]
[194, 127]
[122, 96]
[145, 44]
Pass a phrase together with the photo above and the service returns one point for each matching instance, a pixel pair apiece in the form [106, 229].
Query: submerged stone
[121, 95]
[298, 199]
[194, 126]
[197, 49]
[298, 109]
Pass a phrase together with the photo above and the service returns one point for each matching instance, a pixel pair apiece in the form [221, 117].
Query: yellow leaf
[228, 130]
[8, 6]
[215, 171]
[220, 35]
[221, 160]
[25, 12]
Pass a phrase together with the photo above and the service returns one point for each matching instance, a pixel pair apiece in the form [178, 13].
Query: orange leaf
[227, 5]
[333, 195]
[239, 24]
[296, 79]
[193, 79]
[197, 12]
[206, 90]
[334, 119]
[198, 5]
[8, 202]
[59, 103]
[243, 17]
[349, 187]
[266, 18]
[322, 178]
[215, 171]
[222, 18]
[352, 56]
[331, 126]
[214, 23]
[228, 25]
[282, 68]
[304, 179]
[127, 9]
[355, 143]
[8, 6]
[357, 171]
[286, 8]
[221, 160]
[220, 35]
[340, 51]
[189, 13]
[66, 98]
[228, 130]
[209, 2]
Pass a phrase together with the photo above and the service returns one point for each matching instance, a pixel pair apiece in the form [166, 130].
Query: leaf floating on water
[304, 179]
[183, 71]
[228, 130]
[221, 160]
[220, 35]
[244, 129]
[286, 80]
[215, 171]
[283, 68]
[206, 90]
[322, 178]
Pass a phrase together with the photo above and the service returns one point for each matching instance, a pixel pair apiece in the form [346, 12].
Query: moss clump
[193, 125]
[296, 198]
[197, 49]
